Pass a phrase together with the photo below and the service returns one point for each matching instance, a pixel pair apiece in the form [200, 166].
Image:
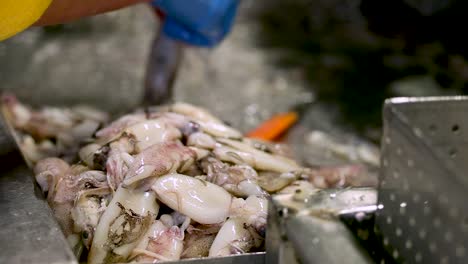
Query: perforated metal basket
[423, 192]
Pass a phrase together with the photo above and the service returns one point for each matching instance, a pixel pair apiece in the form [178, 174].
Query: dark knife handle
[161, 71]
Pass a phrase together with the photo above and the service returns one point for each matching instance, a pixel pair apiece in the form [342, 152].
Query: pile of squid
[51, 131]
[159, 184]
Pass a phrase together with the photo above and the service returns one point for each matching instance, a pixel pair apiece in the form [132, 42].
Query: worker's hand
[17, 15]
[198, 22]
[61, 11]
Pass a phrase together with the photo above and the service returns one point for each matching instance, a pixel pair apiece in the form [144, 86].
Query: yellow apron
[17, 15]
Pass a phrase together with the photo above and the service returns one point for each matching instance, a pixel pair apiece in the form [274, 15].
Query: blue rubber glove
[198, 22]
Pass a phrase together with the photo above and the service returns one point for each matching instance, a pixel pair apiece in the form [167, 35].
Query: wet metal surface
[423, 181]
[307, 229]
[29, 232]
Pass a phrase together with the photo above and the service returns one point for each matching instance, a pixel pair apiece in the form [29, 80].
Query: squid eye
[262, 231]
[89, 185]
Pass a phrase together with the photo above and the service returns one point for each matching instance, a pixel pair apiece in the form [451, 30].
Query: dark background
[357, 53]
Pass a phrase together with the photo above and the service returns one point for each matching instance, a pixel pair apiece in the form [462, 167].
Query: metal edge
[405, 100]
[249, 258]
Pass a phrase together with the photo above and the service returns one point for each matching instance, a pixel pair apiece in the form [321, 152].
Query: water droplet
[395, 254]
[376, 229]
[417, 132]
[418, 257]
[403, 205]
[389, 220]
[419, 175]
[465, 224]
[443, 199]
[402, 210]
[315, 240]
[432, 247]
[385, 241]
[405, 186]
[460, 251]
[332, 195]
[409, 244]
[444, 260]
[430, 187]
[412, 221]
[448, 236]
[426, 210]
[380, 206]
[452, 152]
[453, 212]
[422, 233]
[398, 232]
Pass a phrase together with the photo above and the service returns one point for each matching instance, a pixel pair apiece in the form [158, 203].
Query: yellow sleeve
[17, 15]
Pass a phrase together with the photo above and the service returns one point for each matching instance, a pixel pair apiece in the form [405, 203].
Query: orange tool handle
[274, 127]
